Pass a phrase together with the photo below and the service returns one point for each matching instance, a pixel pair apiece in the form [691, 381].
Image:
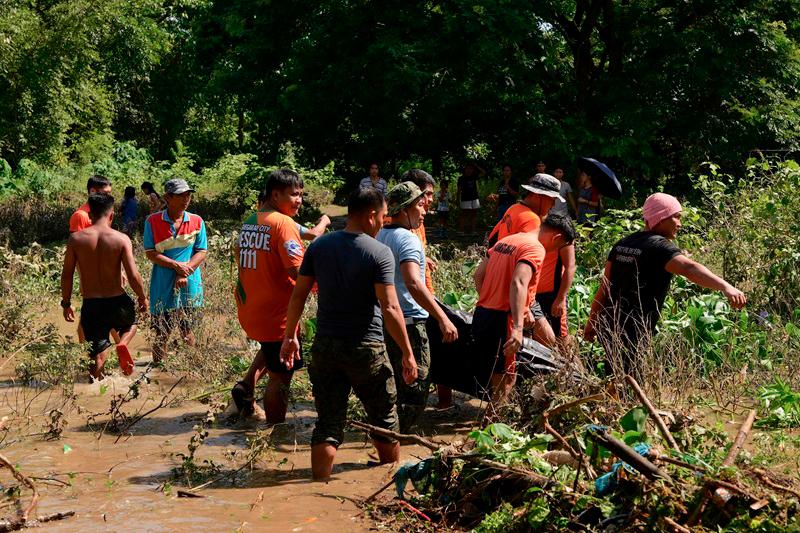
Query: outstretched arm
[700, 275]
[322, 224]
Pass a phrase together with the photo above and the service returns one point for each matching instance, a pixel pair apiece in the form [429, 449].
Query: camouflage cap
[402, 196]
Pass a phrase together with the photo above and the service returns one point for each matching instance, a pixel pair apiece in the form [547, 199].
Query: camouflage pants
[338, 366]
[411, 399]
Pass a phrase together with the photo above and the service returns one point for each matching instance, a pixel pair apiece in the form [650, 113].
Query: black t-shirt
[347, 266]
[469, 188]
[504, 196]
[639, 281]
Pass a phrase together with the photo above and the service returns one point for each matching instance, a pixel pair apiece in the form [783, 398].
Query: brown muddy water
[121, 486]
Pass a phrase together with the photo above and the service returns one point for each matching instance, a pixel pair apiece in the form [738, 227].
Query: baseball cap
[177, 186]
[401, 196]
[544, 184]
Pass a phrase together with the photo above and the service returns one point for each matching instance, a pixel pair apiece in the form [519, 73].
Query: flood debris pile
[595, 464]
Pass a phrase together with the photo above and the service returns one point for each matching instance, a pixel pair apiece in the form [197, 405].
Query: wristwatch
[66, 304]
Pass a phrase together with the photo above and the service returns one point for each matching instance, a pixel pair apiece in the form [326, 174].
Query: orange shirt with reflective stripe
[80, 220]
[269, 245]
[503, 259]
[518, 218]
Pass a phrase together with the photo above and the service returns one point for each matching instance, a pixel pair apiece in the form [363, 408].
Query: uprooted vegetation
[597, 464]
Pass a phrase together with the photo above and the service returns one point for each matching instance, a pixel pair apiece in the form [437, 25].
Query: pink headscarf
[658, 207]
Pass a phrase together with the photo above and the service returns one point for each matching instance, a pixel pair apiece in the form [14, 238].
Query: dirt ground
[120, 486]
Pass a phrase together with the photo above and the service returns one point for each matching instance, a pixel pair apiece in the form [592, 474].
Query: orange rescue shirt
[503, 259]
[547, 281]
[80, 220]
[518, 218]
[269, 245]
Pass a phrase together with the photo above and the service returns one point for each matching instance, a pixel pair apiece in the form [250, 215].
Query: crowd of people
[374, 289]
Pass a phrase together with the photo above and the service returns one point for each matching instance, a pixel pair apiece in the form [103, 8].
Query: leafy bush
[780, 405]
[754, 230]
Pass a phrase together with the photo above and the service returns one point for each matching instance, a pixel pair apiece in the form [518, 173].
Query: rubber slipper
[125, 359]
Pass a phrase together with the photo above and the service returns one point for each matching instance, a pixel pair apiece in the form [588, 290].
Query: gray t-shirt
[559, 206]
[347, 266]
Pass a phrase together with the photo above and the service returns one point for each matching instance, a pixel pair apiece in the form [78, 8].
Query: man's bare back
[100, 254]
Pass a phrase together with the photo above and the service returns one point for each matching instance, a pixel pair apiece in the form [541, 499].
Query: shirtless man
[101, 253]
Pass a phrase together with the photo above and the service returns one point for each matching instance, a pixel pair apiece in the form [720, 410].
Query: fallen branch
[186, 494]
[25, 480]
[375, 494]
[574, 403]
[676, 526]
[744, 430]
[580, 457]
[677, 462]
[763, 476]
[629, 455]
[422, 441]
[720, 493]
[662, 427]
[16, 525]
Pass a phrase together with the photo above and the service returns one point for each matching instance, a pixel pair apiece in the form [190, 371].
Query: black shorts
[185, 318]
[558, 323]
[444, 216]
[100, 315]
[272, 355]
[489, 334]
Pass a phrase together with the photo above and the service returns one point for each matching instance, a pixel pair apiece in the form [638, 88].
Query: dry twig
[653, 413]
[25, 480]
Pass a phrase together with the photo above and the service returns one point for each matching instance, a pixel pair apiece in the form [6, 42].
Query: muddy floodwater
[129, 485]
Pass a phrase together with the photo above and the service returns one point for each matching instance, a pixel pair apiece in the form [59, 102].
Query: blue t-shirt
[405, 246]
[130, 210]
[190, 238]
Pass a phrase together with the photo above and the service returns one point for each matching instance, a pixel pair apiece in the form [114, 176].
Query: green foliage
[754, 230]
[500, 521]
[501, 443]
[484, 79]
[780, 405]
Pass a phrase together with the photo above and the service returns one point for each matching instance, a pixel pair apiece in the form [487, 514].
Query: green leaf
[634, 420]
[67, 448]
[632, 437]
